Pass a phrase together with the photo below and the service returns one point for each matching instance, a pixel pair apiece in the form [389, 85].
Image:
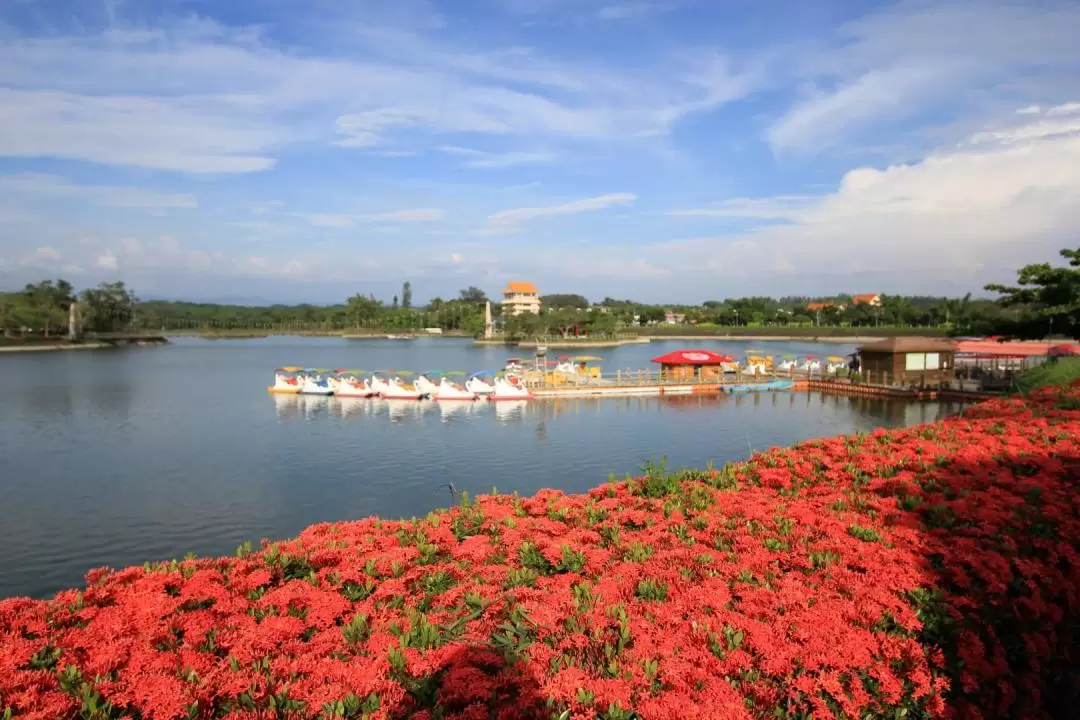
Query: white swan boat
[352, 384]
[510, 387]
[398, 389]
[477, 385]
[286, 381]
[448, 390]
[754, 369]
[379, 384]
[315, 382]
[427, 384]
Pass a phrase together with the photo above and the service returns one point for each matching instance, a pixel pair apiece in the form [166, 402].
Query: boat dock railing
[545, 379]
[549, 379]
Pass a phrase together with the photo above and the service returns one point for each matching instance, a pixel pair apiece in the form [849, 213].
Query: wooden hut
[909, 361]
[692, 364]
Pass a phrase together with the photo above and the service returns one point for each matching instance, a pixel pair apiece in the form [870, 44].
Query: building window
[915, 361]
[922, 361]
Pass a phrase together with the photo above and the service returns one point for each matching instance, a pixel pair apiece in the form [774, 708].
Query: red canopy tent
[690, 363]
[693, 357]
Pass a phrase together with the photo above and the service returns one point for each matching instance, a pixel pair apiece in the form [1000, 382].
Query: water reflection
[888, 411]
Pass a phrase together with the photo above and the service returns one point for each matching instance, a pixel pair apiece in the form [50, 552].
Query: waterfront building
[520, 297]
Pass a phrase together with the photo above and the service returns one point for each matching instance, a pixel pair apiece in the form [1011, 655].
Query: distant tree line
[43, 309]
[1045, 301]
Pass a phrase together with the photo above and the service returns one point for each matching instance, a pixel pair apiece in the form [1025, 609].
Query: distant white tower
[489, 327]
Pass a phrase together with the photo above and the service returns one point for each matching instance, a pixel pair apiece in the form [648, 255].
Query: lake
[116, 457]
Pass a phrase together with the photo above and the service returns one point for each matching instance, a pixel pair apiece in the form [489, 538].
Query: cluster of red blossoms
[926, 572]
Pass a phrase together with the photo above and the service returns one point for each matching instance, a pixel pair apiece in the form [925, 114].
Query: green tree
[363, 310]
[108, 308]
[473, 294]
[525, 325]
[557, 302]
[1051, 295]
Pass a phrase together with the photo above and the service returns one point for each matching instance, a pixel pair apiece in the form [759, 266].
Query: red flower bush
[926, 572]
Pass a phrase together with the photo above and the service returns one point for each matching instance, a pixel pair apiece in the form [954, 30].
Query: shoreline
[54, 347]
[833, 339]
[558, 344]
[67, 347]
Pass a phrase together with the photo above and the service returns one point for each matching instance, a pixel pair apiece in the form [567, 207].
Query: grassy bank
[919, 573]
[1061, 373]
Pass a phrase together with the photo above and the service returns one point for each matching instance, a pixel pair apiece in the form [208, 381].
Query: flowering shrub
[917, 573]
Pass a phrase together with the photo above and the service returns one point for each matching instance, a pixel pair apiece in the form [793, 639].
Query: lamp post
[736, 318]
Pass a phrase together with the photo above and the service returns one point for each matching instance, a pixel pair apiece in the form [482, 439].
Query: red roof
[692, 357]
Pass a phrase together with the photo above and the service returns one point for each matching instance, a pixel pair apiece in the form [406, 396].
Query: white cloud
[480, 159]
[163, 134]
[970, 212]
[36, 185]
[341, 220]
[909, 58]
[108, 261]
[775, 207]
[414, 215]
[508, 221]
[44, 255]
[201, 98]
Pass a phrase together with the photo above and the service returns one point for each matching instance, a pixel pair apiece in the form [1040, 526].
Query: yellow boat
[287, 381]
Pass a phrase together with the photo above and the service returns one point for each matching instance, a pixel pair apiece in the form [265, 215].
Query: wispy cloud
[509, 221]
[413, 215]
[480, 159]
[158, 133]
[341, 220]
[781, 206]
[40, 185]
[871, 74]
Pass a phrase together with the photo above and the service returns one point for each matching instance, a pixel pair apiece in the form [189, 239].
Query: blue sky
[663, 150]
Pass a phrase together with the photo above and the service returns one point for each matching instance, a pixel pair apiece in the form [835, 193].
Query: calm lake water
[116, 457]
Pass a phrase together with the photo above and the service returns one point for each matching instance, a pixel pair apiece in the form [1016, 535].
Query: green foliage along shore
[1046, 301]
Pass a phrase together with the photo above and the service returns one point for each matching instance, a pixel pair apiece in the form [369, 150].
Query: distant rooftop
[519, 287]
[909, 344]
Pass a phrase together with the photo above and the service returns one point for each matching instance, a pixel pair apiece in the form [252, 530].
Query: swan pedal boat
[448, 390]
[397, 389]
[351, 385]
[427, 385]
[286, 382]
[479, 387]
[315, 383]
[510, 387]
